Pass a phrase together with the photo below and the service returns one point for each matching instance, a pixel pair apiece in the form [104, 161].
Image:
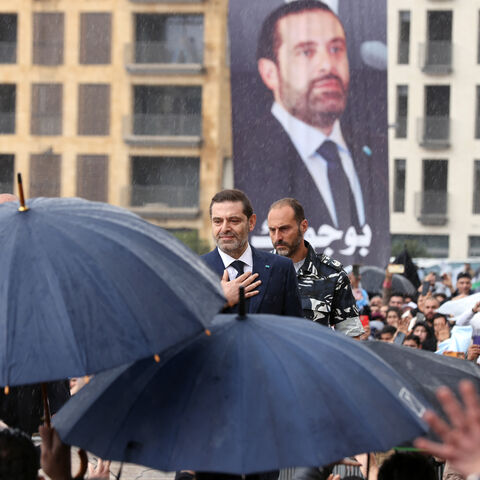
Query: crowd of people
[414, 320]
[295, 280]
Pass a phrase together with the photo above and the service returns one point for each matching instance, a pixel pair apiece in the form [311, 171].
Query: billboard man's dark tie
[339, 186]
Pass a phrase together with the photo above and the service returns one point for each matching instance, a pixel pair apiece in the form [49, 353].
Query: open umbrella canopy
[372, 280]
[258, 394]
[86, 286]
[426, 371]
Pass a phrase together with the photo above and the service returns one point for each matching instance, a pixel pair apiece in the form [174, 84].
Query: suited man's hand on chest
[231, 288]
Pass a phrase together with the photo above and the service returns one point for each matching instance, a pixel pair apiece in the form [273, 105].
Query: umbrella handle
[82, 469]
[46, 406]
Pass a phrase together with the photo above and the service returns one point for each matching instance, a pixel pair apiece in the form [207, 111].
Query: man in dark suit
[269, 280]
[303, 151]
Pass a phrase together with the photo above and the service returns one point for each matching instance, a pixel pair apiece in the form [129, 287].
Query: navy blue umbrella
[373, 277]
[86, 286]
[258, 394]
[427, 371]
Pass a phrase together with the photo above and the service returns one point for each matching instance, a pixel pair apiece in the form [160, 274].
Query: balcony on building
[163, 188]
[167, 116]
[434, 132]
[431, 207]
[166, 45]
[163, 130]
[436, 57]
[161, 202]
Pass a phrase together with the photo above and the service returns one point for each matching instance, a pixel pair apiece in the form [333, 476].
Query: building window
[168, 38]
[46, 114]
[402, 111]
[7, 108]
[167, 110]
[93, 109]
[434, 192]
[6, 173]
[435, 128]
[478, 41]
[95, 38]
[399, 185]
[92, 177]
[477, 118]
[8, 38]
[422, 245]
[48, 31]
[476, 187]
[170, 182]
[437, 57]
[45, 175]
[474, 246]
[403, 55]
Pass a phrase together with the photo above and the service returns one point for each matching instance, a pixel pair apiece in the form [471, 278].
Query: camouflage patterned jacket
[326, 293]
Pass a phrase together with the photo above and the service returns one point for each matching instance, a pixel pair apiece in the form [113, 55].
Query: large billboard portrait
[309, 104]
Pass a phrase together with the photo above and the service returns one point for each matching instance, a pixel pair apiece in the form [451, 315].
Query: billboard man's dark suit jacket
[278, 292]
[269, 168]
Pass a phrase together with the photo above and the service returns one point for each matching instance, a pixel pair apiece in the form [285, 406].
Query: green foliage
[415, 247]
[191, 239]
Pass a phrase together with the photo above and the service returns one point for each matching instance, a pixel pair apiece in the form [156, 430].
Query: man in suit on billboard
[304, 152]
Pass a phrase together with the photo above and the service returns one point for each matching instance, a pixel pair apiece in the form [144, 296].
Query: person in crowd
[435, 285]
[473, 353]
[393, 316]
[418, 312]
[429, 309]
[76, 383]
[466, 317]
[376, 324]
[8, 197]
[269, 280]
[441, 327]
[412, 341]
[459, 438]
[387, 334]
[20, 460]
[396, 300]
[440, 297]
[375, 304]
[426, 335]
[407, 466]
[463, 286]
[360, 294]
[324, 286]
